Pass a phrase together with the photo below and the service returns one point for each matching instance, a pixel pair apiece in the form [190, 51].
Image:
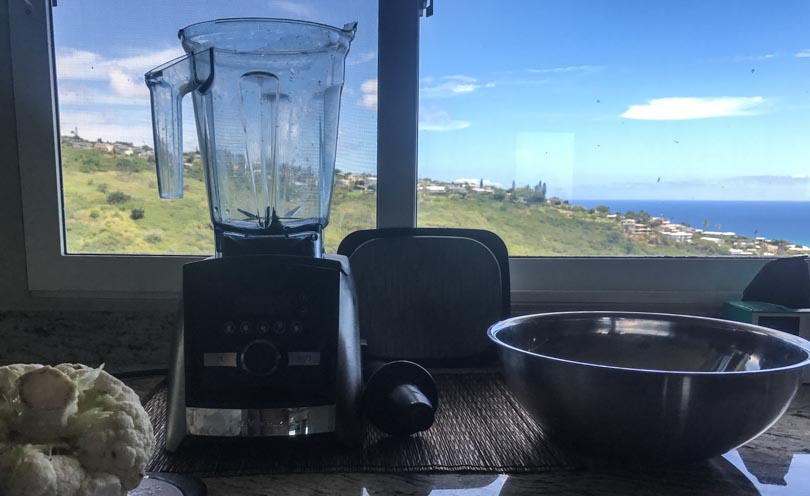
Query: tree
[481, 183]
[602, 209]
[539, 193]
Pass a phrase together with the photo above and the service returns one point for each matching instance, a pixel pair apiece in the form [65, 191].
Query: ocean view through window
[599, 128]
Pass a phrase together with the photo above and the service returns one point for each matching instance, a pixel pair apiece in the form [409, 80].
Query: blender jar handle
[168, 84]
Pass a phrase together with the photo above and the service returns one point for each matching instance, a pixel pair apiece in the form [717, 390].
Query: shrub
[131, 164]
[117, 197]
[102, 187]
[153, 238]
[136, 213]
[94, 214]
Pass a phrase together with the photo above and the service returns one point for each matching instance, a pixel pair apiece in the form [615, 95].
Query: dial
[260, 357]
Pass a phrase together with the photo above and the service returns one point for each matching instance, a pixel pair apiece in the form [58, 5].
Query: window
[618, 128]
[109, 186]
[536, 280]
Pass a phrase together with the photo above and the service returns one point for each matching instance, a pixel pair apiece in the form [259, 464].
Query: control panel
[261, 332]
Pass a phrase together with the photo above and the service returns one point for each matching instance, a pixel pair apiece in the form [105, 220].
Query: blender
[268, 344]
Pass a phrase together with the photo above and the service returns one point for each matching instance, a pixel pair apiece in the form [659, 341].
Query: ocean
[789, 221]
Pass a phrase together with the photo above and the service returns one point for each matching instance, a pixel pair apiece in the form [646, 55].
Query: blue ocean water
[789, 221]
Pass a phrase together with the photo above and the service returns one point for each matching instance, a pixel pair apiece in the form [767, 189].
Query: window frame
[666, 282]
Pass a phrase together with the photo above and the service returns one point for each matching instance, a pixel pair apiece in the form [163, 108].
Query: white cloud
[84, 65]
[124, 75]
[803, 54]
[432, 119]
[369, 90]
[78, 64]
[122, 84]
[566, 69]
[293, 8]
[360, 58]
[755, 58]
[91, 96]
[145, 61]
[450, 85]
[677, 108]
[109, 126]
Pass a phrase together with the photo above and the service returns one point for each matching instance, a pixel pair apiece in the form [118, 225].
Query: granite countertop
[776, 463]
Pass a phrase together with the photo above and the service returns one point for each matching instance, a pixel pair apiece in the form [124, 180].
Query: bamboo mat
[479, 428]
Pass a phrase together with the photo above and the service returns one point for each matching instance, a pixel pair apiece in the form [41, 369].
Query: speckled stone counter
[120, 340]
[776, 463]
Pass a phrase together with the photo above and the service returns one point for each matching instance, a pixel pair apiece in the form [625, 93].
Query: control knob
[260, 358]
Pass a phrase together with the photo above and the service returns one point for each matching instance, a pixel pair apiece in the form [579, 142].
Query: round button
[229, 327]
[245, 327]
[260, 358]
[278, 326]
[297, 327]
[263, 327]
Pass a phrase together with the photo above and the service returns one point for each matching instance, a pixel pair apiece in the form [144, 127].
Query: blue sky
[600, 99]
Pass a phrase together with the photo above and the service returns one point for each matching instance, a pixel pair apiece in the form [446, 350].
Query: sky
[608, 99]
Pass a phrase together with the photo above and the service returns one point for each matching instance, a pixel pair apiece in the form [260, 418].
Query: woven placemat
[479, 428]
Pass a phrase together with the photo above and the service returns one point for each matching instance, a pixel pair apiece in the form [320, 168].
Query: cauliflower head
[70, 430]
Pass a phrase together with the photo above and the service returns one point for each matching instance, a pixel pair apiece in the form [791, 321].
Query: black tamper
[400, 397]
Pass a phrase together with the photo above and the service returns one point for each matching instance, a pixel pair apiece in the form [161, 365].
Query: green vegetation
[112, 206]
[102, 194]
[542, 229]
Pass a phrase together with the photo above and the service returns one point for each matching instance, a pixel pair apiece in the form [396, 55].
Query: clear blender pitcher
[266, 95]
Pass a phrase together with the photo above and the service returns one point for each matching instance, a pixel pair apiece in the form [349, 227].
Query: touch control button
[263, 327]
[297, 327]
[260, 358]
[219, 359]
[278, 326]
[229, 327]
[245, 327]
[303, 358]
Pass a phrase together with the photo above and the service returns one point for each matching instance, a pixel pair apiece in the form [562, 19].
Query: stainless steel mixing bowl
[649, 387]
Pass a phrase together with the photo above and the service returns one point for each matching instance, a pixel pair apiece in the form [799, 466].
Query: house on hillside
[123, 148]
[101, 145]
[76, 142]
[435, 189]
[364, 183]
[678, 236]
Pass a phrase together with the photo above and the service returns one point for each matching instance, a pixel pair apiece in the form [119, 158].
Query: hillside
[112, 206]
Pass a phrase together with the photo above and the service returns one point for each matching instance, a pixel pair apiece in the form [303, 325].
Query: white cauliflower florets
[69, 475]
[70, 430]
[27, 472]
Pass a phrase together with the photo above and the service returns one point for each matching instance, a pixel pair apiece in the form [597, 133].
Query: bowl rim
[728, 325]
